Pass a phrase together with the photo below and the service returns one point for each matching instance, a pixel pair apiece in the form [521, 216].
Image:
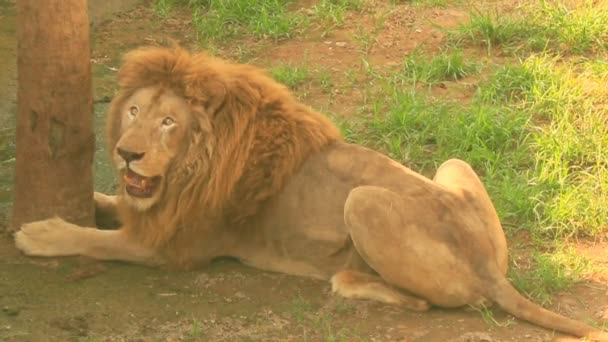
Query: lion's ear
[209, 92]
[147, 66]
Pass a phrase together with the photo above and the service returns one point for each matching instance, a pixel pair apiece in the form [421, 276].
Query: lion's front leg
[56, 237]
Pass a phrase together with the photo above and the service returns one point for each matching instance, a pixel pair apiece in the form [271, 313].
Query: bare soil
[75, 299]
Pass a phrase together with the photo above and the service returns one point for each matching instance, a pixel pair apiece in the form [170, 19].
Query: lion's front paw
[52, 237]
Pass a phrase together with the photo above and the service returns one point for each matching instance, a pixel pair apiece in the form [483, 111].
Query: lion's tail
[514, 303]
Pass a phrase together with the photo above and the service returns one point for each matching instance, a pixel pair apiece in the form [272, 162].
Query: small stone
[340, 44]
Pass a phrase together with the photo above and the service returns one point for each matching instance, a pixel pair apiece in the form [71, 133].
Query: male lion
[217, 159]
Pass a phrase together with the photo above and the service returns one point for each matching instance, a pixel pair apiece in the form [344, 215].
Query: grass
[292, 76]
[163, 7]
[574, 27]
[446, 66]
[299, 308]
[488, 317]
[565, 99]
[551, 271]
[334, 11]
[196, 331]
[218, 20]
[319, 325]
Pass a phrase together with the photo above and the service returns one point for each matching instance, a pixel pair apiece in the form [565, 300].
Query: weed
[568, 141]
[325, 81]
[543, 25]
[488, 317]
[327, 327]
[447, 66]
[163, 7]
[343, 306]
[290, 75]
[334, 11]
[552, 271]
[488, 29]
[367, 39]
[299, 307]
[196, 331]
[214, 20]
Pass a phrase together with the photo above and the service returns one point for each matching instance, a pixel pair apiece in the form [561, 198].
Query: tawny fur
[249, 172]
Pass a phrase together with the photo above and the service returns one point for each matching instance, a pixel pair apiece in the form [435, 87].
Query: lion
[218, 159]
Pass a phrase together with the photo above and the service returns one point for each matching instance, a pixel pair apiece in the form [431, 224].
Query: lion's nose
[129, 156]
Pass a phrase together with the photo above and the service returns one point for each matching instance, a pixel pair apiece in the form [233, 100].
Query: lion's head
[154, 127]
[160, 125]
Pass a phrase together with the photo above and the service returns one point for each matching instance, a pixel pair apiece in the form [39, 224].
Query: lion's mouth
[140, 186]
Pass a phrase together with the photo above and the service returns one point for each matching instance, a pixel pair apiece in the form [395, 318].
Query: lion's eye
[133, 111]
[168, 122]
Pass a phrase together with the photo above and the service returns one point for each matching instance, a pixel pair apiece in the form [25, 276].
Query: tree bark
[55, 139]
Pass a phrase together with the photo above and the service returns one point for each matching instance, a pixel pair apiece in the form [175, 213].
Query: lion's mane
[248, 136]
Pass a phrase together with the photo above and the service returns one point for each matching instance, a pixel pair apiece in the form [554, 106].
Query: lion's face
[153, 126]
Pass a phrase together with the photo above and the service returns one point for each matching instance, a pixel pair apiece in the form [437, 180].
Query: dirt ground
[75, 299]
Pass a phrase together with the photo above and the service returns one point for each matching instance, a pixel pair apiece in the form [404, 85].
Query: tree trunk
[55, 140]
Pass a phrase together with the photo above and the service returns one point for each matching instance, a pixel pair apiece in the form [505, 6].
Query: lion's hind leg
[459, 178]
[410, 240]
[353, 284]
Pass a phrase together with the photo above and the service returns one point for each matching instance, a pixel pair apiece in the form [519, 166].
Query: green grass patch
[292, 76]
[489, 29]
[334, 11]
[551, 272]
[215, 20]
[488, 317]
[163, 7]
[299, 308]
[566, 98]
[220, 19]
[196, 331]
[540, 25]
[446, 66]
